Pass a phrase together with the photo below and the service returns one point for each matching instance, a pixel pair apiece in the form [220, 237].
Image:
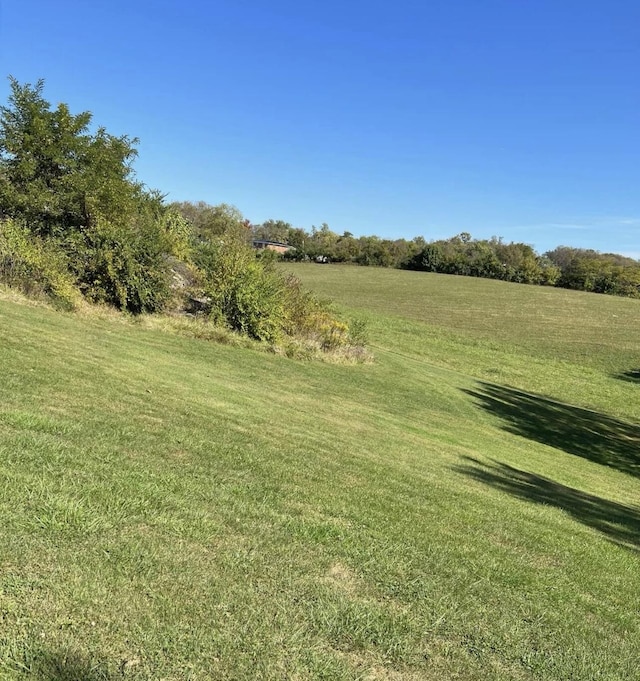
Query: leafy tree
[210, 222]
[273, 230]
[322, 242]
[77, 190]
[298, 238]
[549, 272]
[376, 251]
[428, 259]
[490, 258]
[41, 152]
[55, 175]
[588, 270]
[346, 248]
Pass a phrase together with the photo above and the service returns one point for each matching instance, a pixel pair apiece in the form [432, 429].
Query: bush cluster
[74, 222]
[244, 291]
[588, 270]
[488, 258]
[35, 267]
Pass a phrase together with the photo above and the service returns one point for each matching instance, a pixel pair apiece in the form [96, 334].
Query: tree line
[566, 267]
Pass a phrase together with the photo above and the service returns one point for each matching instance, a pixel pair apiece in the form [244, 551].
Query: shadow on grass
[588, 434]
[620, 523]
[66, 666]
[632, 376]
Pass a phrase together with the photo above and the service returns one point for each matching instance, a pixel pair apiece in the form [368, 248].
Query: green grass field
[465, 507]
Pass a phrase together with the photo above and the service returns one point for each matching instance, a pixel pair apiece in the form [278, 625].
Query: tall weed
[35, 267]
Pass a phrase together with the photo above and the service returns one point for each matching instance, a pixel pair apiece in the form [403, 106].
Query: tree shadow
[589, 434]
[619, 522]
[61, 665]
[632, 376]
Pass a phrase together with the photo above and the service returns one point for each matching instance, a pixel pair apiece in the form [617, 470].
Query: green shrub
[358, 332]
[256, 305]
[307, 317]
[34, 266]
[123, 265]
[244, 293]
[179, 234]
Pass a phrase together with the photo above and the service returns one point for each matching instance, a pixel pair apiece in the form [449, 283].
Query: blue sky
[496, 117]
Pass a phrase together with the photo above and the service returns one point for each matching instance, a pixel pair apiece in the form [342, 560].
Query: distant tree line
[76, 223]
[574, 268]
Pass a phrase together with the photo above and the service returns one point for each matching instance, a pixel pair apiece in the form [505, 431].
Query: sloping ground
[173, 509]
[578, 347]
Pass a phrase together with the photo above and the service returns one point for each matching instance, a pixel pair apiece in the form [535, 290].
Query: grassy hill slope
[579, 347]
[174, 509]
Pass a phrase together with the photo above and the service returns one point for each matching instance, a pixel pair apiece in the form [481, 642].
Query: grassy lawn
[578, 347]
[466, 507]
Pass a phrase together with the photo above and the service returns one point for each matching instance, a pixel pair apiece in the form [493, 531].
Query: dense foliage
[581, 269]
[588, 270]
[75, 222]
[34, 265]
[241, 288]
[75, 193]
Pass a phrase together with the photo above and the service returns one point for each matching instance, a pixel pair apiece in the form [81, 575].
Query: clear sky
[514, 118]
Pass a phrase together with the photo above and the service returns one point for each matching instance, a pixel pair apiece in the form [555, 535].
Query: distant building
[276, 246]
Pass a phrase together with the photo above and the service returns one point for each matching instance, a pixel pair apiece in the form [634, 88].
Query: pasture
[464, 507]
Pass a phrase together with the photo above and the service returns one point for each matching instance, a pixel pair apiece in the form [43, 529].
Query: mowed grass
[175, 509]
[579, 347]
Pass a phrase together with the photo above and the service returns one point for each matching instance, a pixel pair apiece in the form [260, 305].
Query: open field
[175, 509]
[575, 346]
